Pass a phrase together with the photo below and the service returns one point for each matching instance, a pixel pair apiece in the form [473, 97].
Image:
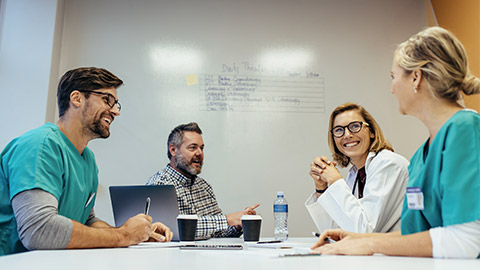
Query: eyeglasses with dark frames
[109, 98]
[353, 127]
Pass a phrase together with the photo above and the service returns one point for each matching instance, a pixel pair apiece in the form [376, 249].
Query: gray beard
[182, 164]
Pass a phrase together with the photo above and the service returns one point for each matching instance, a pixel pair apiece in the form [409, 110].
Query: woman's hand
[315, 172]
[348, 243]
[324, 172]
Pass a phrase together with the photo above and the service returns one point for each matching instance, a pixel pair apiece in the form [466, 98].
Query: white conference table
[154, 257]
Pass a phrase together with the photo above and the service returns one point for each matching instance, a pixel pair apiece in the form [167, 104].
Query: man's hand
[160, 233]
[234, 218]
[137, 229]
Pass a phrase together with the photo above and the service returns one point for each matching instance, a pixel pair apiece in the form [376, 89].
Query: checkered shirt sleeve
[197, 197]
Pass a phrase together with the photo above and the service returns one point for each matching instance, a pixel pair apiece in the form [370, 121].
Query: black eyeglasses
[354, 127]
[109, 98]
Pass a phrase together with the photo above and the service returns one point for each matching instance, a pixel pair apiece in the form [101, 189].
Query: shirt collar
[370, 157]
[178, 176]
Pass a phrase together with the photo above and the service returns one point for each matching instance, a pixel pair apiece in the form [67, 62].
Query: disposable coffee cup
[187, 227]
[251, 227]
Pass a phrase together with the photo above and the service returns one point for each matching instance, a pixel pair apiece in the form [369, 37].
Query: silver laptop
[128, 201]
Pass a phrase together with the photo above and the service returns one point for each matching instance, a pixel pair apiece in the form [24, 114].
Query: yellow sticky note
[191, 79]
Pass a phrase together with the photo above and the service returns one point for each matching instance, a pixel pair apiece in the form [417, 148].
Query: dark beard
[97, 129]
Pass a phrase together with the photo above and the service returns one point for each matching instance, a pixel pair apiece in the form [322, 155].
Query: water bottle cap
[280, 193]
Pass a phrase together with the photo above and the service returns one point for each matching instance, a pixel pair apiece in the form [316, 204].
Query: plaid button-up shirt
[196, 197]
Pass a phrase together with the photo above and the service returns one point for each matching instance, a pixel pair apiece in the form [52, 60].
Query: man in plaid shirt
[194, 194]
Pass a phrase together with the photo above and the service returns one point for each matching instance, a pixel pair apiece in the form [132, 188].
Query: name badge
[414, 198]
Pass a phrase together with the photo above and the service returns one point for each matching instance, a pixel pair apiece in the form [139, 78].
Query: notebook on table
[128, 201]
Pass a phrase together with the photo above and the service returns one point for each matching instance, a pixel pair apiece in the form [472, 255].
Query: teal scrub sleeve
[460, 177]
[37, 166]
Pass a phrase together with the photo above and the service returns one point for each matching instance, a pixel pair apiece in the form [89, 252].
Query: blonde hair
[443, 62]
[377, 143]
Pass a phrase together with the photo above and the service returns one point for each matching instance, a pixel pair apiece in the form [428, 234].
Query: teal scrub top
[448, 173]
[44, 158]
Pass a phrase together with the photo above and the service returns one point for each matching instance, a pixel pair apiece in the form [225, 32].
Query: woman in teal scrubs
[441, 210]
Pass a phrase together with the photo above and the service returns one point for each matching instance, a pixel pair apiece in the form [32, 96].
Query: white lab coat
[381, 206]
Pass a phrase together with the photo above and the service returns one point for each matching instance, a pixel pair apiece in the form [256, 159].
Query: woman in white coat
[441, 212]
[371, 198]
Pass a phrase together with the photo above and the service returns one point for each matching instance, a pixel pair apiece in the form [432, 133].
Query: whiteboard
[284, 65]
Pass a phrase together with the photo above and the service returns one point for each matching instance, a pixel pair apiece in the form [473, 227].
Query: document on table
[281, 249]
[157, 245]
[250, 249]
[280, 245]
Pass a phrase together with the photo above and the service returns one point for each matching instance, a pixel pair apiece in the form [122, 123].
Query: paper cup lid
[187, 217]
[251, 217]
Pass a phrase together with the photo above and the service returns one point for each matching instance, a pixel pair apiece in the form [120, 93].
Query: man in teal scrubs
[49, 177]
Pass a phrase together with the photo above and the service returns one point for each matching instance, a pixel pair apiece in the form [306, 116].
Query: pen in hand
[147, 205]
[327, 239]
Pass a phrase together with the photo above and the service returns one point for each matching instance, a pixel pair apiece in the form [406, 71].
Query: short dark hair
[84, 78]
[176, 135]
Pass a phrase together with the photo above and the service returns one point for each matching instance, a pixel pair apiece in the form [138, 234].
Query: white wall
[26, 44]
[249, 155]
[155, 45]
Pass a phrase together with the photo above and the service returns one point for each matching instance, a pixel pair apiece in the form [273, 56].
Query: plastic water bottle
[280, 216]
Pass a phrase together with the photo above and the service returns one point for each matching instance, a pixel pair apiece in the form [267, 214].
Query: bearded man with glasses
[49, 177]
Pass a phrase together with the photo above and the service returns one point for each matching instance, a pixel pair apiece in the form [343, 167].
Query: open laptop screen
[128, 201]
